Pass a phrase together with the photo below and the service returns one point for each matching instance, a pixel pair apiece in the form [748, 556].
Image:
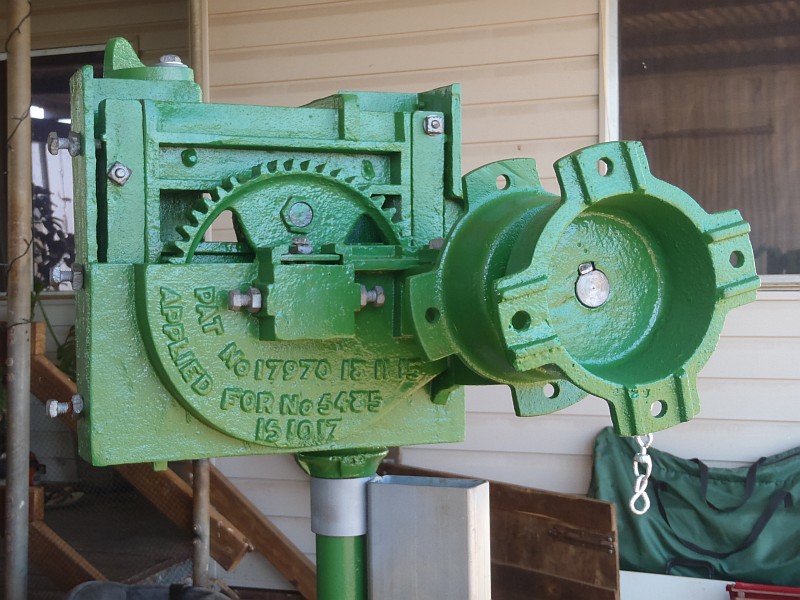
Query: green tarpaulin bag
[740, 524]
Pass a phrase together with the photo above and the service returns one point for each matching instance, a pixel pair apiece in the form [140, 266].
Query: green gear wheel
[341, 212]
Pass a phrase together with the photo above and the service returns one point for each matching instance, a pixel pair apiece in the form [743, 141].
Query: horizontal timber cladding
[154, 27]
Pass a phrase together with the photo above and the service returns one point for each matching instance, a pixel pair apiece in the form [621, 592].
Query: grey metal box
[428, 537]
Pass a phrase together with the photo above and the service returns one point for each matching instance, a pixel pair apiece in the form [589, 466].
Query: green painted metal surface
[377, 281]
[342, 560]
[341, 567]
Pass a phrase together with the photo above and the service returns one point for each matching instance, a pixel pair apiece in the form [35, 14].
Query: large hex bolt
[56, 408]
[71, 143]
[250, 300]
[374, 296]
[170, 60]
[297, 214]
[59, 275]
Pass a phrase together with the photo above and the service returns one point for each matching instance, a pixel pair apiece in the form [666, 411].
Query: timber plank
[173, 497]
[546, 544]
[60, 561]
[516, 583]
[264, 535]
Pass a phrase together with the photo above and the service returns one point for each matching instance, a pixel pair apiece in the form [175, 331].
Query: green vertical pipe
[342, 561]
[341, 568]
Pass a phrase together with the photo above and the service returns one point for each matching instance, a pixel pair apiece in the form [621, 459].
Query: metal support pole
[198, 42]
[20, 283]
[339, 518]
[342, 567]
[201, 487]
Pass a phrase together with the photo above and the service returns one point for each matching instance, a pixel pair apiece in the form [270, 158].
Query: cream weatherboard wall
[154, 27]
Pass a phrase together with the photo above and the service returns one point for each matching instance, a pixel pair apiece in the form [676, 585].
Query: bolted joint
[301, 246]
[433, 125]
[56, 408]
[592, 287]
[119, 173]
[374, 296]
[250, 300]
[170, 60]
[59, 275]
[71, 143]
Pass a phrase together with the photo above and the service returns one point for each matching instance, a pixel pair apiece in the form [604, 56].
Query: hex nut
[51, 406]
[434, 125]
[375, 296]
[170, 60]
[119, 173]
[251, 300]
[301, 246]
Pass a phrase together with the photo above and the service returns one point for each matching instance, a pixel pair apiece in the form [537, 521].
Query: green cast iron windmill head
[368, 282]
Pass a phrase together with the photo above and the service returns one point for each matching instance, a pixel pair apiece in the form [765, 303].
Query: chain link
[642, 479]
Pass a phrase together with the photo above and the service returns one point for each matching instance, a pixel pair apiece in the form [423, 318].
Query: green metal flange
[349, 464]
[619, 288]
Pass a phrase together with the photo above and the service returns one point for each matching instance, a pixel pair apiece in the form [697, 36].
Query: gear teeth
[200, 212]
[229, 183]
[173, 248]
[196, 217]
[218, 193]
[187, 231]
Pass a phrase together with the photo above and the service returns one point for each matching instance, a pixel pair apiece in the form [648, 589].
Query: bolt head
[77, 404]
[380, 296]
[300, 214]
[170, 60]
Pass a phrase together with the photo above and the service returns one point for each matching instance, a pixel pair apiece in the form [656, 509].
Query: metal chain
[640, 485]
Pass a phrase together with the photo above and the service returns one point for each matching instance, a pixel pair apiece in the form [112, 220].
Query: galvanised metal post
[20, 283]
[339, 519]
